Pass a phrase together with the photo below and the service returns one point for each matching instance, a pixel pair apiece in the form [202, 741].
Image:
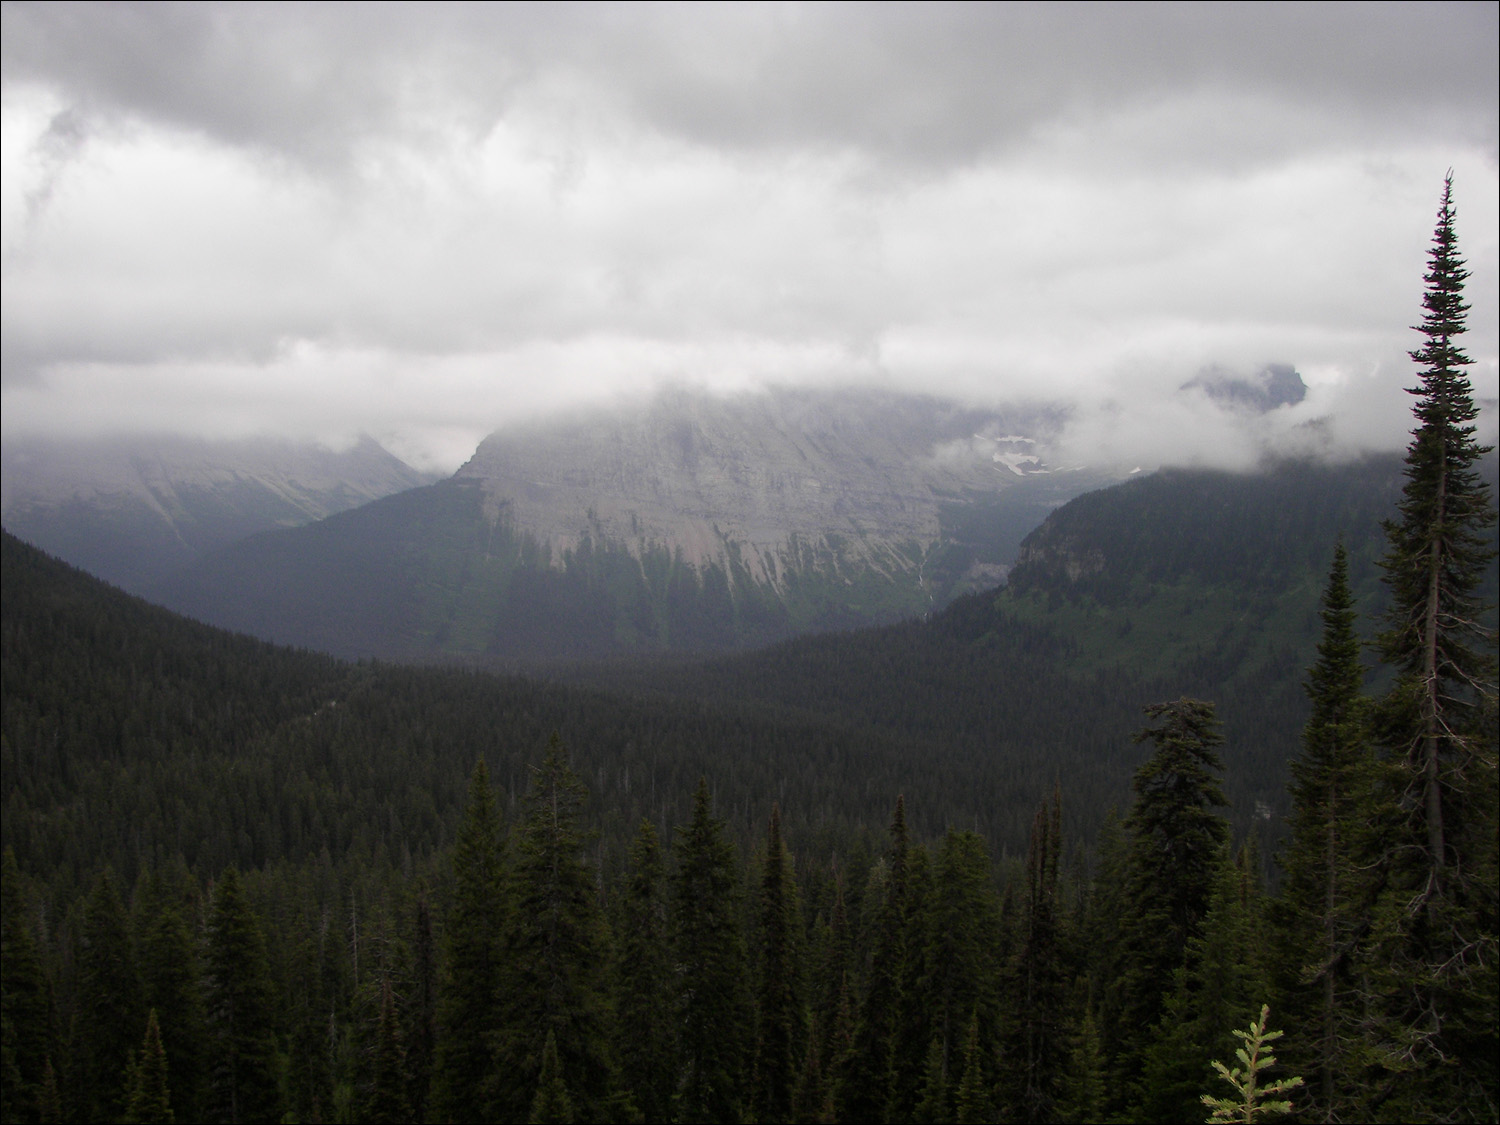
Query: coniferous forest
[244, 883]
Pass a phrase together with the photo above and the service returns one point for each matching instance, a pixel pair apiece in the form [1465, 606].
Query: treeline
[505, 981]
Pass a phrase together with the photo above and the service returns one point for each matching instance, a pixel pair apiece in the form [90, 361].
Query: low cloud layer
[423, 222]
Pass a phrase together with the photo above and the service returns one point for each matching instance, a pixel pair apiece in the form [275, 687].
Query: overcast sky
[422, 222]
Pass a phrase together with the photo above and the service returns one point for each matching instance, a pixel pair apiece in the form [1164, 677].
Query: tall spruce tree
[1036, 981]
[832, 965]
[1175, 842]
[469, 984]
[240, 1012]
[421, 1036]
[972, 1102]
[960, 980]
[913, 1028]
[386, 1099]
[168, 958]
[25, 1022]
[868, 1072]
[1443, 656]
[1323, 906]
[551, 1105]
[713, 1000]
[150, 1100]
[647, 1044]
[555, 955]
[1433, 951]
[110, 1009]
[1175, 834]
[780, 1014]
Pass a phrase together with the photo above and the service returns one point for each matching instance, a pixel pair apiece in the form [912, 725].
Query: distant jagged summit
[1276, 384]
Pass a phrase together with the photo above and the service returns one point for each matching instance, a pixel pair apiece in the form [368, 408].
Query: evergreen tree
[1175, 836]
[840, 1056]
[810, 1099]
[1036, 983]
[49, 1101]
[933, 1107]
[833, 963]
[317, 993]
[170, 975]
[469, 986]
[645, 1034]
[1437, 556]
[1252, 1100]
[24, 1015]
[555, 955]
[1104, 921]
[1323, 906]
[972, 1104]
[110, 1012]
[240, 1012]
[1175, 842]
[713, 1005]
[779, 1011]
[959, 979]
[551, 1106]
[1223, 972]
[421, 1036]
[1084, 1086]
[868, 1073]
[1433, 945]
[914, 1023]
[387, 1097]
[150, 1101]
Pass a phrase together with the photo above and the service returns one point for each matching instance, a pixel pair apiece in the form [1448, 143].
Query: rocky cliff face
[134, 510]
[758, 484]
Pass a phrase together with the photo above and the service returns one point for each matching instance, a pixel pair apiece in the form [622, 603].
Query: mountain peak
[1274, 385]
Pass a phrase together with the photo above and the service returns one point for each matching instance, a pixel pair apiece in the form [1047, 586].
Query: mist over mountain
[758, 480]
[135, 509]
[687, 522]
[1276, 384]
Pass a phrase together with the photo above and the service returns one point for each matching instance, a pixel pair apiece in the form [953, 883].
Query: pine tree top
[1445, 310]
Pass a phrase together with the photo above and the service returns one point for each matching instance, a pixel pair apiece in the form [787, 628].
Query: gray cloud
[926, 83]
[421, 221]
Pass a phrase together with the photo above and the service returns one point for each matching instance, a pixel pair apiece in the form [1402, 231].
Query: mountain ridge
[134, 510]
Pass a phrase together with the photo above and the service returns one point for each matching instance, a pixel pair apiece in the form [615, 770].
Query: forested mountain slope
[980, 708]
[1187, 581]
[132, 736]
[150, 758]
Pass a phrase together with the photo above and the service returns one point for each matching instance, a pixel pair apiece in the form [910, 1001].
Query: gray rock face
[134, 510]
[877, 480]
